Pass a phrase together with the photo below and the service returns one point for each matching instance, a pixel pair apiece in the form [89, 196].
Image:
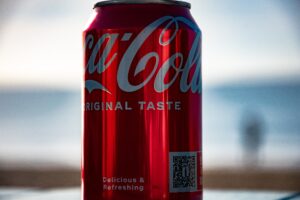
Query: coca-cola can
[142, 102]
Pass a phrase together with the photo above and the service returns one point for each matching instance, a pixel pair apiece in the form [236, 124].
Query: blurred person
[252, 132]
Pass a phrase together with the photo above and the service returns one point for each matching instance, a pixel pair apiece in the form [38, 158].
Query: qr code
[183, 171]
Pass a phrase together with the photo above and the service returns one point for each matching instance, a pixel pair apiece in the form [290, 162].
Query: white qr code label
[183, 171]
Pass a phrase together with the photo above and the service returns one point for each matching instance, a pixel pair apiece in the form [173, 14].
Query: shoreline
[217, 178]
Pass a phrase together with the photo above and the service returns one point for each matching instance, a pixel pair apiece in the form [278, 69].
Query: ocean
[243, 125]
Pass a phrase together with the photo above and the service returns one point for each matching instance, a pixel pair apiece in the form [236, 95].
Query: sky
[41, 41]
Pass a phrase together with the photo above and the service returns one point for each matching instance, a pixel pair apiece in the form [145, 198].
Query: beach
[228, 179]
[41, 137]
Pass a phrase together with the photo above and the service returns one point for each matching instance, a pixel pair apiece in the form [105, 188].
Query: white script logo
[182, 68]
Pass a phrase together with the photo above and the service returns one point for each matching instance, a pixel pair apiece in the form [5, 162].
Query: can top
[168, 2]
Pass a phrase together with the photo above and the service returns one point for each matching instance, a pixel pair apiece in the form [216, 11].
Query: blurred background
[251, 92]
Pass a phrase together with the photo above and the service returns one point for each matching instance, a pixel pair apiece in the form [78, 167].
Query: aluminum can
[142, 104]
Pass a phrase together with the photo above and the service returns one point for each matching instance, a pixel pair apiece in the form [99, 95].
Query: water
[43, 127]
[277, 108]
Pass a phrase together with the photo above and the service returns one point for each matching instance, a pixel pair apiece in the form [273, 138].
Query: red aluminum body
[142, 104]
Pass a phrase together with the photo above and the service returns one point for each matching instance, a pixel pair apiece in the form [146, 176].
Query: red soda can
[142, 102]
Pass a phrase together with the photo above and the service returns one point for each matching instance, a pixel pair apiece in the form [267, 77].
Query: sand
[250, 179]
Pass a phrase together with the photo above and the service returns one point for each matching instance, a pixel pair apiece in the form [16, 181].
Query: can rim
[167, 2]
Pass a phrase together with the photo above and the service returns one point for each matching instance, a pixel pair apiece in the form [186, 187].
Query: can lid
[168, 2]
